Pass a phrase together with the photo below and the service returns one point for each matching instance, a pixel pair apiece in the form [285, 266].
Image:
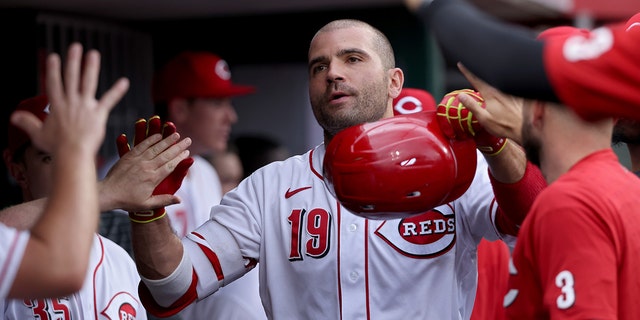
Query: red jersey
[598, 74]
[493, 275]
[577, 250]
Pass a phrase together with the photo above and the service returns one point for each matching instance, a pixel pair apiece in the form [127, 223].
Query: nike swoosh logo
[290, 192]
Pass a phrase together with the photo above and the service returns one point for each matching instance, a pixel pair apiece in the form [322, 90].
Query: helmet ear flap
[397, 167]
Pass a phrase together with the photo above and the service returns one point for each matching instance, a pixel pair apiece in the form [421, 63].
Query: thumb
[27, 121]
[162, 200]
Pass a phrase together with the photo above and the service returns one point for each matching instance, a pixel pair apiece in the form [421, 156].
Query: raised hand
[76, 117]
[502, 113]
[458, 122]
[172, 182]
[73, 131]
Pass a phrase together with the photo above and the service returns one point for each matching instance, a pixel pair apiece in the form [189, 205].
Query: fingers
[168, 160]
[471, 104]
[154, 126]
[90, 75]
[140, 132]
[475, 81]
[54, 80]
[110, 98]
[122, 145]
[72, 70]
[168, 129]
[161, 200]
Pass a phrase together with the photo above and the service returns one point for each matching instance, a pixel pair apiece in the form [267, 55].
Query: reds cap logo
[413, 100]
[426, 235]
[222, 70]
[408, 105]
[123, 306]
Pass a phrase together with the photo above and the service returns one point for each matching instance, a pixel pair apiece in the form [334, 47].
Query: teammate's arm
[130, 182]
[517, 68]
[57, 253]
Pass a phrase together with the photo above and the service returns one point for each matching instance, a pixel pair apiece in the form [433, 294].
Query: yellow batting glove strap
[147, 216]
[494, 150]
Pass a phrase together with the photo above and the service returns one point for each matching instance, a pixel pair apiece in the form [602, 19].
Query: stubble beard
[531, 145]
[369, 106]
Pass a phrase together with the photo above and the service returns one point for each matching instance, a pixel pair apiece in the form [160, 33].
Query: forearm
[69, 220]
[157, 250]
[24, 215]
[509, 165]
[515, 199]
[506, 56]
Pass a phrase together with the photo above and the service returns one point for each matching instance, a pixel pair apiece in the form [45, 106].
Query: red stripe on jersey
[159, 311]
[212, 257]
[95, 273]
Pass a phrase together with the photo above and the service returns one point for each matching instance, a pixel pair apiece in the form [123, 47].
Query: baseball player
[576, 252]
[38, 262]
[596, 73]
[194, 91]
[318, 260]
[110, 285]
[574, 255]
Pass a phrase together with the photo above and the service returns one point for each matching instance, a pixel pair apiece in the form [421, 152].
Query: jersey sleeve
[507, 56]
[597, 74]
[13, 243]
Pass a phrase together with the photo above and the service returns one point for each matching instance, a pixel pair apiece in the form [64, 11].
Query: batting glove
[172, 182]
[458, 123]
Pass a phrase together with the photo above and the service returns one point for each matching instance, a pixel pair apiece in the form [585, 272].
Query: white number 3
[564, 281]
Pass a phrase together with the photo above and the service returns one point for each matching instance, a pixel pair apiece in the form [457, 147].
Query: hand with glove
[143, 130]
[458, 122]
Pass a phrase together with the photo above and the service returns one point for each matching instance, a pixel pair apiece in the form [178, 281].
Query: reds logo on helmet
[123, 306]
[426, 235]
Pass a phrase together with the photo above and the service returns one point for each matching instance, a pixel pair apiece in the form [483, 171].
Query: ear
[396, 81]
[178, 110]
[16, 170]
[538, 113]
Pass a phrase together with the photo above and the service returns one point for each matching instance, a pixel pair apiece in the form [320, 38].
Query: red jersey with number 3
[597, 74]
[577, 251]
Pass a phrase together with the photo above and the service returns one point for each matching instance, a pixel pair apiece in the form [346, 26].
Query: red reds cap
[561, 31]
[413, 100]
[39, 106]
[196, 75]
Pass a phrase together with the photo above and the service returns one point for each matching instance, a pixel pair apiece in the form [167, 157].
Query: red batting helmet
[397, 167]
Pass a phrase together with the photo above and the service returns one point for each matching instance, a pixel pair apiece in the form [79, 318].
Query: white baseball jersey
[110, 291]
[201, 190]
[13, 242]
[317, 260]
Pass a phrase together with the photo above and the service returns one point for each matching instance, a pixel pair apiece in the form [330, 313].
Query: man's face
[347, 82]
[34, 173]
[229, 169]
[208, 123]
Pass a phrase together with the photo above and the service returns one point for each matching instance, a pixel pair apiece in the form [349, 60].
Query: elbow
[69, 278]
